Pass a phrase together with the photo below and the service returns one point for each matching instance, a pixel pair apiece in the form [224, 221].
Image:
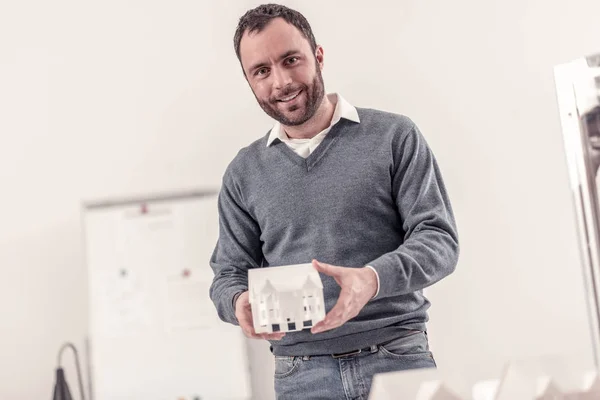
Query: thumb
[325, 268]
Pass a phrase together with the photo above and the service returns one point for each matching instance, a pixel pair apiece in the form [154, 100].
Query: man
[355, 191]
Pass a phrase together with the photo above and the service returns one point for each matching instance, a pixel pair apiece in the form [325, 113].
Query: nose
[281, 78]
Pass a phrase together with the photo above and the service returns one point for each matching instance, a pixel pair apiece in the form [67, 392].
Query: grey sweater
[370, 194]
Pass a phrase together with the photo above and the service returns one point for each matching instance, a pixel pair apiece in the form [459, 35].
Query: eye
[261, 71]
[292, 60]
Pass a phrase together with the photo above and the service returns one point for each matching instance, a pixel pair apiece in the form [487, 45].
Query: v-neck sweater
[370, 194]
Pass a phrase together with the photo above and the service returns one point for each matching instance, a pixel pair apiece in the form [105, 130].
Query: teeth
[292, 97]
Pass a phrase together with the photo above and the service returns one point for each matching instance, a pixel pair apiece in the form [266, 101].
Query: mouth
[289, 98]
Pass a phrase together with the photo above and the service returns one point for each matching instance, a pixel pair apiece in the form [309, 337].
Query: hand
[358, 285]
[243, 313]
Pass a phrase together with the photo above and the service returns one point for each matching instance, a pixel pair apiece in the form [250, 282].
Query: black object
[61, 388]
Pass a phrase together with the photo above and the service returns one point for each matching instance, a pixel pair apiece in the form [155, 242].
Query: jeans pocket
[410, 346]
[285, 366]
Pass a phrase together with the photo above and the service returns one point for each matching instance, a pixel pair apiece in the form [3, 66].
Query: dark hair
[256, 19]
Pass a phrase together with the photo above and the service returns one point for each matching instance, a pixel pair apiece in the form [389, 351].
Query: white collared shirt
[303, 147]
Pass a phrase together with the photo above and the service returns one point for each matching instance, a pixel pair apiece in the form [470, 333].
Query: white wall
[119, 98]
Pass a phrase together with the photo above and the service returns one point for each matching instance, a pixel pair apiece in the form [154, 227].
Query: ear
[319, 56]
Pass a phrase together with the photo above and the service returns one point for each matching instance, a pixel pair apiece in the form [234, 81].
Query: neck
[317, 123]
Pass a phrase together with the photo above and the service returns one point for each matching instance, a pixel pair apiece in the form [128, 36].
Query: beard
[314, 96]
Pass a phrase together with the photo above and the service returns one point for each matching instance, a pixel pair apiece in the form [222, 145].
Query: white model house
[287, 298]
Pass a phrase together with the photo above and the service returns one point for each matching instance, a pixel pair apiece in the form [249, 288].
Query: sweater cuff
[377, 275]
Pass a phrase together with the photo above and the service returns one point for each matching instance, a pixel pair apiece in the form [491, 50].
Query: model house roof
[283, 279]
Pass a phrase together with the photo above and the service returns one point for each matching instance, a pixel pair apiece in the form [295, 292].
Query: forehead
[277, 38]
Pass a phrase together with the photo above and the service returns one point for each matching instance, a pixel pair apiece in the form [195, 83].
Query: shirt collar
[343, 109]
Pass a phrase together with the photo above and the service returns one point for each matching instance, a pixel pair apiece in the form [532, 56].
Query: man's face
[283, 72]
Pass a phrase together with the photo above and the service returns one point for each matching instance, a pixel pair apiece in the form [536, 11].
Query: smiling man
[355, 191]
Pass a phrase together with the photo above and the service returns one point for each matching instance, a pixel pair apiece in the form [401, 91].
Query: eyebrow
[282, 57]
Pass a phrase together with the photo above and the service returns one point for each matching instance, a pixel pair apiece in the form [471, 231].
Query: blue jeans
[348, 377]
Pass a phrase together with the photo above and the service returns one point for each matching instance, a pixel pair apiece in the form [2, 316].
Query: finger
[333, 319]
[327, 325]
[327, 269]
[249, 331]
[251, 334]
[248, 327]
[246, 323]
[273, 336]
[338, 315]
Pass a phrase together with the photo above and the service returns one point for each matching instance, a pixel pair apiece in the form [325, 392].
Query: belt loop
[374, 348]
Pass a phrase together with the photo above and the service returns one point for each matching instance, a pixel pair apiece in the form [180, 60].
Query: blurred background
[121, 98]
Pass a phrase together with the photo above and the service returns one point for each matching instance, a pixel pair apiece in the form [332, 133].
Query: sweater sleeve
[430, 248]
[238, 248]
